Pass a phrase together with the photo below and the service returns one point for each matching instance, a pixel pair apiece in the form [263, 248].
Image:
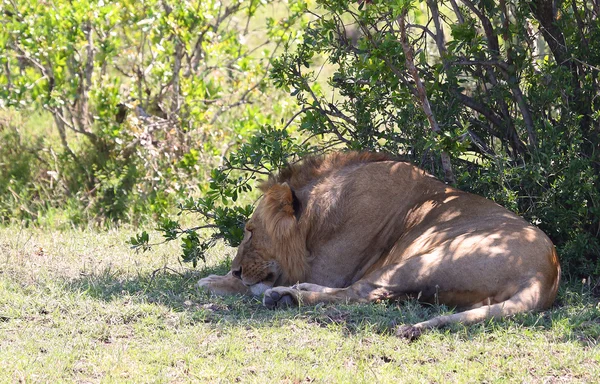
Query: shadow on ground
[578, 313]
[165, 286]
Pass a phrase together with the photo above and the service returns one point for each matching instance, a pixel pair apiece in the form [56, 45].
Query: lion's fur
[362, 227]
[278, 202]
[280, 223]
[312, 168]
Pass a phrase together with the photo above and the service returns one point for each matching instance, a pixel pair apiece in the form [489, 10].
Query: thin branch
[60, 126]
[457, 12]
[187, 230]
[386, 58]
[487, 28]
[175, 79]
[58, 115]
[424, 29]
[82, 115]
[440, 41]
[244, 167]
[165, 268]
[291, 119]
[584, 63]
[422, 96]
[480, 144]
[512, 80]
[333, 110]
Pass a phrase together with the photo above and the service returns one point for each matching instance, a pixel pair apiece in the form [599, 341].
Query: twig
[440, 41]
[291, 119]
[175, 79]
[457, 12]
[165, 268]
[512, 81]
[422, 96]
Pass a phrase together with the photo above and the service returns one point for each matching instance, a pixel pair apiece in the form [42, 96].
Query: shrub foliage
[143, 96]
[497, 97]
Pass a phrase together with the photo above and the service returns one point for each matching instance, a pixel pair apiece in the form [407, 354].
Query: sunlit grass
[31, 126]
[81, 306]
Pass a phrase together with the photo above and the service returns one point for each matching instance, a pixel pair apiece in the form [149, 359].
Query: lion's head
[273, 251]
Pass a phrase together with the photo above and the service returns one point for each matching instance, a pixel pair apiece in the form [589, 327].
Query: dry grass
[80, 306]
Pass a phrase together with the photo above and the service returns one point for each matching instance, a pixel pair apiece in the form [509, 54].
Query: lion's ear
[282, 208]
[280, 198]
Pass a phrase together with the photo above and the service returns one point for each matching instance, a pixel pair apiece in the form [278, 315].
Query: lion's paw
[277, 298]
[309, 287]
[222, 285]
[209, 282]
[409, 332]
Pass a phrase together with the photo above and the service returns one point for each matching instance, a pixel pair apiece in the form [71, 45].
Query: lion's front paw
[209, 282]
[308, 287]
[279, 298]
[222, 285]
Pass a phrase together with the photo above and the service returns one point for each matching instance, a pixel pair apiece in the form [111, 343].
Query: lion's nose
[237, 273]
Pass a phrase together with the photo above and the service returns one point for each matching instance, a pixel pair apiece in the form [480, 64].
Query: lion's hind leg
[530, 298]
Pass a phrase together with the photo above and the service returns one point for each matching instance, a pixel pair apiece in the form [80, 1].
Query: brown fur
[315, 167]
[361, 227]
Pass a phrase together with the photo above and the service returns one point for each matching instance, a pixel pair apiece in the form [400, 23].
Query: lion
[360, 227]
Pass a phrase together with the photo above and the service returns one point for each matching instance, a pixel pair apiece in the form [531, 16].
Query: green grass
[81, 306]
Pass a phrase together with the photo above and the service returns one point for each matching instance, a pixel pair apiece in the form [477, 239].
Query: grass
[80, 306]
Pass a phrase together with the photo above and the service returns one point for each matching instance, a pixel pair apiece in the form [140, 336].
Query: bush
[499, 98]
[143, 99]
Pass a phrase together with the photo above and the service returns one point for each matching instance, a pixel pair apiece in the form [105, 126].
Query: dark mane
[314, 167]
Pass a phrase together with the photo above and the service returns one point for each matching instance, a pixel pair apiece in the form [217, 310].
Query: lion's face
[272, 252]
[255, 263]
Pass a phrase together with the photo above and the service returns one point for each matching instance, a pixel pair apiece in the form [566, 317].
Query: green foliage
[266, 151]
[144, 98]
[140, 241]
[499, 98]
[19, 163]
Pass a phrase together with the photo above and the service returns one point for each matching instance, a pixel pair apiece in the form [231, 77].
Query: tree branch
[440, 41]
[422, 96]
[487, 28]
[82, 114]
[457, 12]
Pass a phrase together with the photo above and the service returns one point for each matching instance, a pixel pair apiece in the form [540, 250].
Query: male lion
[360, 227]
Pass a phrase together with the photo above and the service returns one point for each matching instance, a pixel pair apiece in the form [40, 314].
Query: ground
[81, 306]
